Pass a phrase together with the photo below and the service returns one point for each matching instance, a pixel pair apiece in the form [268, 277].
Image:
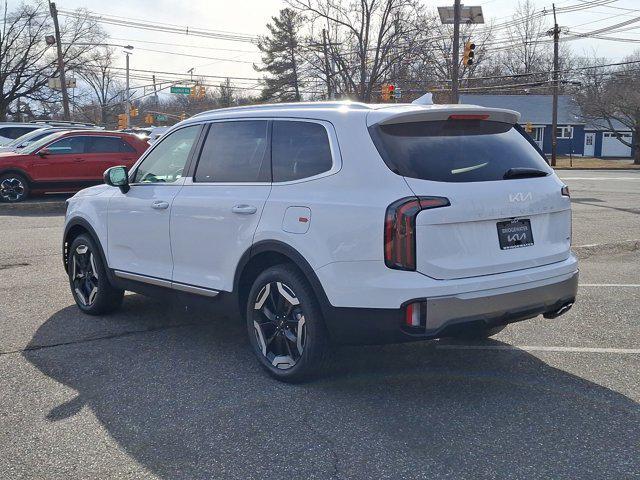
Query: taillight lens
[399, 230]
[415, 314]
[565, 191]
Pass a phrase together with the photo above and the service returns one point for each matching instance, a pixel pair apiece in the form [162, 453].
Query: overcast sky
[250, 17]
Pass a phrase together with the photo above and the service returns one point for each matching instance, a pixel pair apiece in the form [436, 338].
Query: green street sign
[161, 118]
[181, 90]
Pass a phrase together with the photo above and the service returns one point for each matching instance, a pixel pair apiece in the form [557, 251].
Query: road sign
[181, 90]
[55, 84]
[161, 118]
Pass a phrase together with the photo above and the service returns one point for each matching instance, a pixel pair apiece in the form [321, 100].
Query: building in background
[574, 135]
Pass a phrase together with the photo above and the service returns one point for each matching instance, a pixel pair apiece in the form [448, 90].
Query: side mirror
[43, 152]
[117, 177]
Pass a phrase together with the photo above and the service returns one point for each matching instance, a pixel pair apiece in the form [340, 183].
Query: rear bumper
[450, 314]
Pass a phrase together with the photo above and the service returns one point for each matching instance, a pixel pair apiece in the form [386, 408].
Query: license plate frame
[515, 233]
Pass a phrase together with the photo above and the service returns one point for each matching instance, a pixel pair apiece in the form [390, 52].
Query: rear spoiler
[418, 113]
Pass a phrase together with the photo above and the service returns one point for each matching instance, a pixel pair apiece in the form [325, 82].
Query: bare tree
[27, 62]
[363, 39]
[611, 100]
[104, 88]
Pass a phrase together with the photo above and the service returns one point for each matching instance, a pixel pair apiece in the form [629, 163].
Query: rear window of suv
[455, 150]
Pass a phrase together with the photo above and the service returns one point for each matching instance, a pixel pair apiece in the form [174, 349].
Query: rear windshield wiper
[524, 173]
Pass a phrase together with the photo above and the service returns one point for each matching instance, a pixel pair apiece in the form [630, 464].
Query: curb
[586, 251]
[34, 207]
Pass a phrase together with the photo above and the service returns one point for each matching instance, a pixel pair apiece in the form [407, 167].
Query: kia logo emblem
[520, 197]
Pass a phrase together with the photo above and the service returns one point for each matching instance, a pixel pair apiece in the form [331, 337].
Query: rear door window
[109, 145]
[235, 152]
[455, 150]
[299, 150]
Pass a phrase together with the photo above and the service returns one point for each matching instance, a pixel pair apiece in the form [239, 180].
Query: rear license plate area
[515, 234]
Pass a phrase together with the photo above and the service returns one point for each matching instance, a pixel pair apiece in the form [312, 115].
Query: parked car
[65, 161]
[334, 222]
[9, 131]
[28, 138]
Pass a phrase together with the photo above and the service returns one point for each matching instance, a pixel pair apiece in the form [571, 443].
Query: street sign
[161, 118]
[181, 90]
[55, 84]
[467, 14]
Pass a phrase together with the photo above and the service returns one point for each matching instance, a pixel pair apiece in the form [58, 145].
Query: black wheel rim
[84, 275]
[279, 325]
[12, 189]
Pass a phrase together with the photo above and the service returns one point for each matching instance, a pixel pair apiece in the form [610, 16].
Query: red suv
[65, 161]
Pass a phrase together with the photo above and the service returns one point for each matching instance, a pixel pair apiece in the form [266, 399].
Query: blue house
[574, 136]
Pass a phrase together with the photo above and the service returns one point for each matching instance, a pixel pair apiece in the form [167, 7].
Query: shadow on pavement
[38, 206]
[191, 402]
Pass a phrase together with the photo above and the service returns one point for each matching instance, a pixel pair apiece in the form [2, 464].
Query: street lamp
[454, 15]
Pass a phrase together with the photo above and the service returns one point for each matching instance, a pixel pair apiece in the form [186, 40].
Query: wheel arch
[75, 227]
[265, 254]
[18, 171]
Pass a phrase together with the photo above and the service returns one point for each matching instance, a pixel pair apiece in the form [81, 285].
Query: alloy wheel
[84, 275]
[279, 325]
[12, 189]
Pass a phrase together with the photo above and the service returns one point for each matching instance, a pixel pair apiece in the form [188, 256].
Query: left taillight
[400, 230]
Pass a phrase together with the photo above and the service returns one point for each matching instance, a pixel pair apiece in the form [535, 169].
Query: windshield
[26, 137]
[456, 150]
[33, 147]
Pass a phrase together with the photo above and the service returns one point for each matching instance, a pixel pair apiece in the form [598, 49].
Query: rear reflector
[399, 230]
[416, 314]
[468, 116]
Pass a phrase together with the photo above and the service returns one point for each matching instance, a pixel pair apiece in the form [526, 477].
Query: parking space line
[533, 348]
[622, 285]
[600, 179]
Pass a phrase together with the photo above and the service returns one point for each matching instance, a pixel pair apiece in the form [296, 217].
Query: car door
[138, 220]
[62, 162]
[215, 215]
[104, 152]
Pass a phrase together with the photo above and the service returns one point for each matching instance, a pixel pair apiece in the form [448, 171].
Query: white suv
[334, 221]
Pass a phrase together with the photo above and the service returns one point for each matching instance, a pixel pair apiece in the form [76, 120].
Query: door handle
[244, 209]
[160, 205]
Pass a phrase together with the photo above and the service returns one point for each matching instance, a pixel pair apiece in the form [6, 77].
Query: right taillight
[400, 230]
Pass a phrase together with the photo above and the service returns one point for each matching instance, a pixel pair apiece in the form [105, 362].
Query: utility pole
[556, 67]
[456, 52]
[127, 102]
[327, 66]
[63, 80]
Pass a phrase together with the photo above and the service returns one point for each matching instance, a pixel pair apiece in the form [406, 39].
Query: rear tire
[480, 333]
[285, 325]
[13, 188]
[88, 279]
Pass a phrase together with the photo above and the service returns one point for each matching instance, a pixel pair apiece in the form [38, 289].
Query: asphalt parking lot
[163, 391]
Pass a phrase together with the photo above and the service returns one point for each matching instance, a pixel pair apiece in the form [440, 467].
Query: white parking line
[622, 285]
[532, 348]
[600, 178]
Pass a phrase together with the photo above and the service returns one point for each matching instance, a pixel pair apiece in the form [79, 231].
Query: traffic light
[133, 112]
[384, 92]
[469, 48]
[122, 121]
[148, 119]
[392, 91]
[182, 116]
[201, 92]
[192, 91]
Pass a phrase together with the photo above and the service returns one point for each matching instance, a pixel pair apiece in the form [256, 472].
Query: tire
[480, 333]
[88, 279]
[285, 325]
[13, 188]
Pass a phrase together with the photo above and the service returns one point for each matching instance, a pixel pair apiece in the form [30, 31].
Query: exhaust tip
[560, 311]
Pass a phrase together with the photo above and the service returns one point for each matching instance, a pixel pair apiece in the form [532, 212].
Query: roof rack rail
[302, 105]
[63, 122]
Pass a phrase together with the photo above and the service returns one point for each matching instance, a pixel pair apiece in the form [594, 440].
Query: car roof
[333, 110]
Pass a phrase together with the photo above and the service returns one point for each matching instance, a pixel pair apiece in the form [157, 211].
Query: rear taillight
[565, 191]
[399, 230]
